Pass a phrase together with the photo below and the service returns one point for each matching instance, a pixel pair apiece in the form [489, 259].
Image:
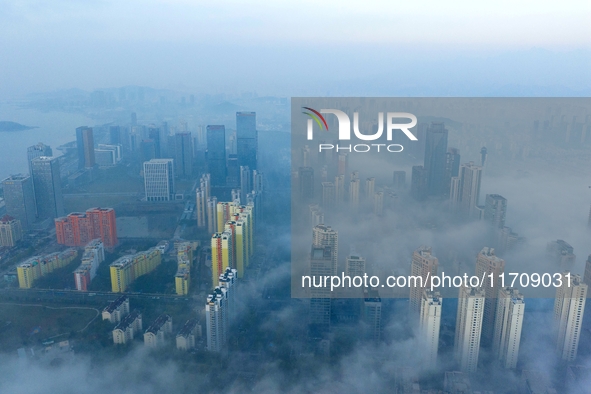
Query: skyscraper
[181, 149]
[321, 264]
[245, 182]
[465, 190]
[339, 185]
[155, 135]
[221, 254]
[216, 154]
[370, 188]
[48, 187]
[85, 147]
[159, 180]
[328, 195]
[587, 277]
[372, 314]
[561, 254]
[469, 327]
[216, 317]
[425, 265]
[495, 210]
[246, 139]
[19, 197]
[418, 183]
[306, 183]
[399, 178]
[569, 307]
[354, 194]
[378, 203]
[429, 324]
[508, 325]
[436, 159]
[355, 266]
[326, 236]
[37, 151]
[487, 263]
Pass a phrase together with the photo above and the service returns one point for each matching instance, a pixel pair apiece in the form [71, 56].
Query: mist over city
[176, 181]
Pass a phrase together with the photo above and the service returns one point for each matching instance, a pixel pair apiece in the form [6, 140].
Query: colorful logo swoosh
[317, 117]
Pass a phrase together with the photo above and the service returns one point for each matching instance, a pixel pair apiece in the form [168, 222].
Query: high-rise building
[212, 223]
[321, 264]
[38, 266]
[108, 155]
[10, 231]
[469, 327]
[147, 150]
[85, 147]
[342, 163]
[316, 215]
[115, 136]
[201, 208]
[326, 236]
[465, 190]
[569, 307]
[94, 254]
[399, 178]
[370, 188]
[246, 139]
[245, 182]
[487, 265]
[37, 151]
[128, 268]
[354, 194]
[452, 167]
[221, 254]
[180, 147]
[425, 265]
[355, 266]
[378, 203]
[436, 159]
[306, 183]
[159, 180]
[429, 325]
[339, 187]
[328, 195]
[508, 325]
[78, 229]
[495, 210]
[418, 183]
[587, 276]
[561, 254]
[216, 319]
[216, 154]
[48, 187]
[19, 197]
[155, 136]
[372, 314]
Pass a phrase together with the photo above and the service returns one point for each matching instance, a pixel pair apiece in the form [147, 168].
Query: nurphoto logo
[344, 130]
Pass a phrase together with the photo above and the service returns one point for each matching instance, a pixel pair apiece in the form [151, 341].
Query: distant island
[13, 126]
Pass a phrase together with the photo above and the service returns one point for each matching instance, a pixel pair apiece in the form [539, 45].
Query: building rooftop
[128, 320]
[187, 328]
[115, 304]
[158, 323]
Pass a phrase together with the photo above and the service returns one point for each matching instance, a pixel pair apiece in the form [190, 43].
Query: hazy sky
[295, 47]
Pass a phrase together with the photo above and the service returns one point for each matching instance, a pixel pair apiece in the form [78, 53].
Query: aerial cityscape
[174, 235]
